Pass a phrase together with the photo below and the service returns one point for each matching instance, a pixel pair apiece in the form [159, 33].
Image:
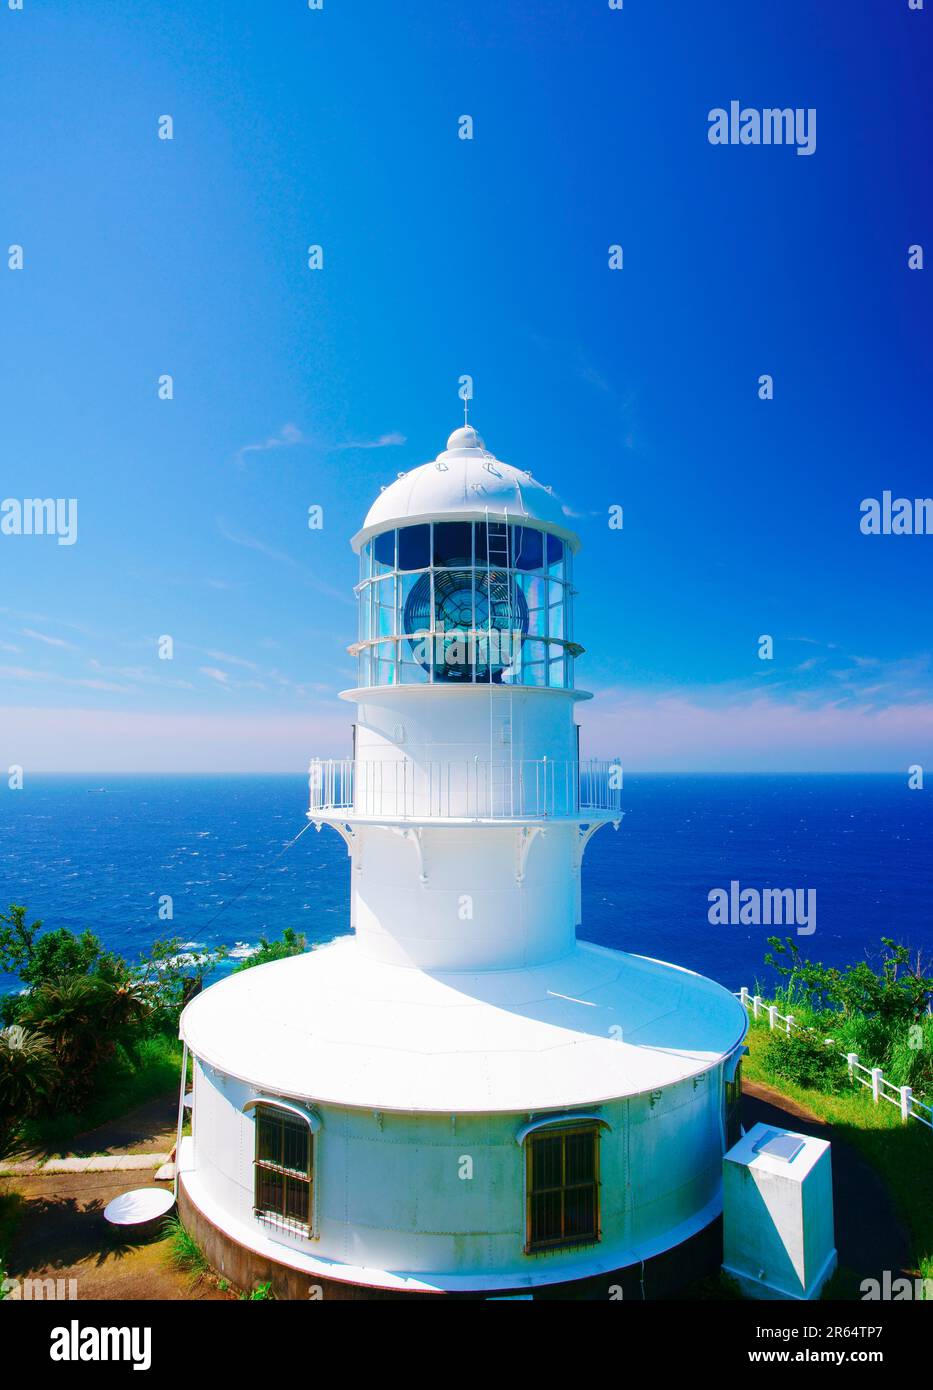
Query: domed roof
[464, 482]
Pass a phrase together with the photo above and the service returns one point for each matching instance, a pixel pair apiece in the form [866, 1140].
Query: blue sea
[100, 851]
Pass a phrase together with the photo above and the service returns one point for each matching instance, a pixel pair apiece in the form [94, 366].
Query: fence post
[906, 1094]
[852, 1059]
[756, 1006]
[772, 1016]
[743, 996]
[876, 1084]
[790, 1023]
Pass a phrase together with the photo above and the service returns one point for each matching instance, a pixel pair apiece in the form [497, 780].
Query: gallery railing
[402, 788]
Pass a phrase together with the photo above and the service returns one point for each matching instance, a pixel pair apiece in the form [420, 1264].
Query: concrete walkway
[99, 1163]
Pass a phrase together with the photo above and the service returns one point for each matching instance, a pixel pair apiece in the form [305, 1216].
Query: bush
[880, 1012]
[804, 1059]
[184, 1251]
[290, 943]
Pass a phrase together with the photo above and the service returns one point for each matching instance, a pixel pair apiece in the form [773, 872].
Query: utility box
[778, 1235]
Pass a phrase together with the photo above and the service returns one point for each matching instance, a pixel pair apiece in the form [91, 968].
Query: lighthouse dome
[466, 481]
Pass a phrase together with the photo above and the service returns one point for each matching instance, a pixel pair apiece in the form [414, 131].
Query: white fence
[911, 1108]
[400, 788]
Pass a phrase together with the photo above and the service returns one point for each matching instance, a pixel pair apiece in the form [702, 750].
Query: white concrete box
[778, 1235]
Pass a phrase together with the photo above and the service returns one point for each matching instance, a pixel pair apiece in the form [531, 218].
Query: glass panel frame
[527, 574]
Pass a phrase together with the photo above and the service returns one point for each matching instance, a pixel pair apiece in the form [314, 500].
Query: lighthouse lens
[475, 617]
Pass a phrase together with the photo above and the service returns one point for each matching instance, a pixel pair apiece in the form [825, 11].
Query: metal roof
[465, 481]
[335, 1025]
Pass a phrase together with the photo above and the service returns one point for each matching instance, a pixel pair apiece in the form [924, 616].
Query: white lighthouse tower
[461, 1097]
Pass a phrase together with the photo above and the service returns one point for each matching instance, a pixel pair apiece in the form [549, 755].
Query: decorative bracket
[523, 844]
[344, 830]
[416, 835]
[585, 833]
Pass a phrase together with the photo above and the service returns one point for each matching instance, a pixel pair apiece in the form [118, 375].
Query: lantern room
[472, 582]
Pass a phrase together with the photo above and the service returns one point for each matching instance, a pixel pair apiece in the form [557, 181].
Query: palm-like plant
[83, 1017]
[28, 1075]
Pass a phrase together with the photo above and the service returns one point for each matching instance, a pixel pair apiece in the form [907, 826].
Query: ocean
[100, 851]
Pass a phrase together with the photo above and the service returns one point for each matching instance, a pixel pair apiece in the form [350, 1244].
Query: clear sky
[443, 256]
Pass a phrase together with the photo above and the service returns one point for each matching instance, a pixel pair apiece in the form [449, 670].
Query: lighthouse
[461, 1096]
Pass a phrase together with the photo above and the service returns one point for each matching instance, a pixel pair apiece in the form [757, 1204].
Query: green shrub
[260, 1294]
[806, 1060]
[184, 1251]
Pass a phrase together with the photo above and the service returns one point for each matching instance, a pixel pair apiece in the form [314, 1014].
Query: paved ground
[149, 1129]
[870, 1237]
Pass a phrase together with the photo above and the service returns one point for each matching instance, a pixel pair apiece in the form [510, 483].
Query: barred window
[284, 1168]
[562, 1187]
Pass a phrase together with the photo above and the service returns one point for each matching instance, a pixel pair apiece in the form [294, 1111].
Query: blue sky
[441, 257]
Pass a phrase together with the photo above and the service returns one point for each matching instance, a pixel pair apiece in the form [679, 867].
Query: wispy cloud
[385, 441]
[221, 677]
[49, 641]
[283, 558]
[288, 436]
[229, 660]
[24, 673]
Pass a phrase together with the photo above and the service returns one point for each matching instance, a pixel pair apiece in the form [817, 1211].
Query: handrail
[402, 788]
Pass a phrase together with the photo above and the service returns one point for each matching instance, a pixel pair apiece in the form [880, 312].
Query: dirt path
[63, 1235]
[870, 1236]
[148, 1129]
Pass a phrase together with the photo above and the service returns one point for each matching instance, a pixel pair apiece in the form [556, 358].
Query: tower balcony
[396, 789]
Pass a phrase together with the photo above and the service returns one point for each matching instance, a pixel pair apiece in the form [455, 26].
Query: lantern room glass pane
[497, 552]
[556, 611]
[366, 612]
[534, 663]
[453, 543]
[555, 557]
[527, 548]
[384, 552]
[384, 672]
[534, 589]
[384, 607]
[414, 547]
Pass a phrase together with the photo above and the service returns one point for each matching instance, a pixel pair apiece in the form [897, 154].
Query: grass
[132, 1079]
[184, 1251]
[901, 1154]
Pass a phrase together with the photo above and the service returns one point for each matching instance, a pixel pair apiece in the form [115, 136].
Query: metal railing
[881, 1089]
[401, 788]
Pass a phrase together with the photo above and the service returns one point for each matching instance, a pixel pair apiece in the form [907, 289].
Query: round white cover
[141, 1205]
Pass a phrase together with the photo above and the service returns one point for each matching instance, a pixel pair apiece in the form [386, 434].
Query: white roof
[335, 1026]
[463, 482]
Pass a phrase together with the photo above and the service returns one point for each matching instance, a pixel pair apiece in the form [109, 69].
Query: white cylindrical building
[460, 1097]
